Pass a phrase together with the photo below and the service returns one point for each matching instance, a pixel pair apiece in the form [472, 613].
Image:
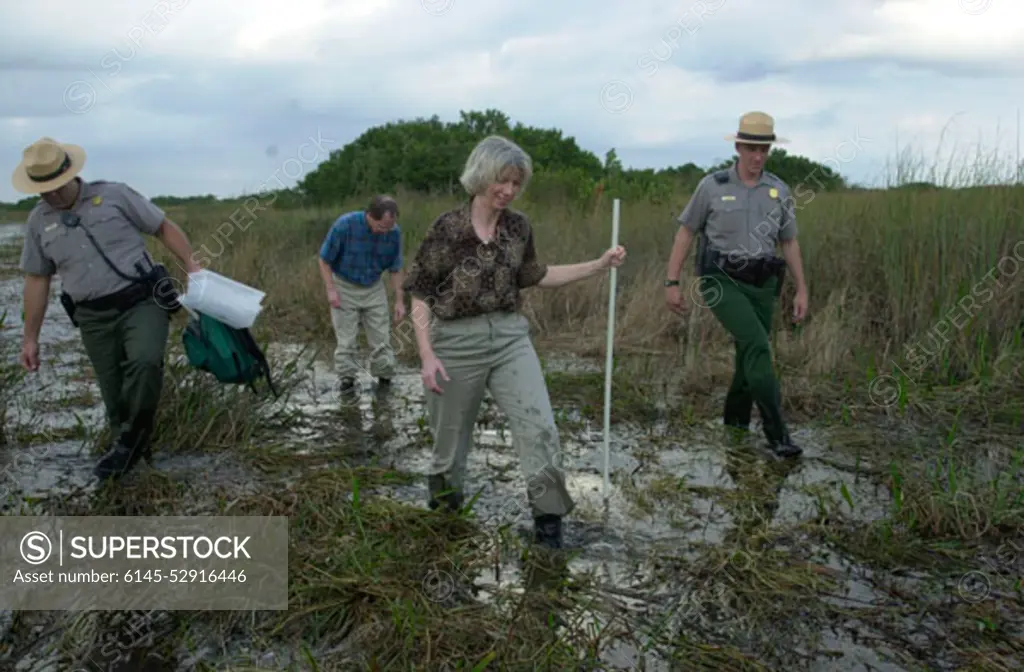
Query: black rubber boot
[442, 494]
[785, 447]
[119, 460]
[548, 531]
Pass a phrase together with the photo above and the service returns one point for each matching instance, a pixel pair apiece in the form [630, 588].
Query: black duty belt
[122, 300]
[754, 271]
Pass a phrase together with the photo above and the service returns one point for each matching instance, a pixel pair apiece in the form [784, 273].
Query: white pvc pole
[608, 356]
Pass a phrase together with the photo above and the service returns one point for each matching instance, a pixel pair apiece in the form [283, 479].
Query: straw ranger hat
[47, 165]
[756, 128]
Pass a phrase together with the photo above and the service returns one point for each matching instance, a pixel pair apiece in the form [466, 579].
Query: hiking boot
[785, 447]
[547, 531]
[442, 494]
[119, 460]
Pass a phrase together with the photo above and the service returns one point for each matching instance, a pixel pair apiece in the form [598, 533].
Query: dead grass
[376, 584]
[885, 287]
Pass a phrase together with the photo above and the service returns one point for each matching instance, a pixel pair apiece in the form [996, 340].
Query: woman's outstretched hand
[613, 257]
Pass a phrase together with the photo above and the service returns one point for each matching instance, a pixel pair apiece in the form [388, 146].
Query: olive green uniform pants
[493, 352]
[746, 313]
[127, 353]
[366, 306]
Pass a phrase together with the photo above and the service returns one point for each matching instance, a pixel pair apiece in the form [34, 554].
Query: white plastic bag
[220, 297]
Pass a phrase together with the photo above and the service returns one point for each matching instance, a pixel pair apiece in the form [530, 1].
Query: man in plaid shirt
[357, 250]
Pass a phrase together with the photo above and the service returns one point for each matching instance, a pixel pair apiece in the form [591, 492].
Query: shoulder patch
[721, 176]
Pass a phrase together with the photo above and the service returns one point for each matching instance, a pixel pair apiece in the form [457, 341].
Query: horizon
[182, 99]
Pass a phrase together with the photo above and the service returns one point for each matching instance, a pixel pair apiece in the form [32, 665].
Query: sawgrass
[911, 292]
[376, 584]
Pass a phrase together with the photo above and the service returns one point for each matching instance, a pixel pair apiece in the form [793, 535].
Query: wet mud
[671, 549]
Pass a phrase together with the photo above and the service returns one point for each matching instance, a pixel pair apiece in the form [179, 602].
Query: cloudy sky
[224, 96]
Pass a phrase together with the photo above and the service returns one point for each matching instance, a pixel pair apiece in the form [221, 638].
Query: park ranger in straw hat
[743, 212]
[90, 234]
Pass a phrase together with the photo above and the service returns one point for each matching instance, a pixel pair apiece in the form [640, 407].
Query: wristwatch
[671, 283]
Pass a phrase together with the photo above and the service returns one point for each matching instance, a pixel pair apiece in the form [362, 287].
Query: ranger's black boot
[785, 447]
[547, 530]
[442, 494]
[119, 460]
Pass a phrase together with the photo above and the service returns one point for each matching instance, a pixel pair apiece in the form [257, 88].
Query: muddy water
[612, 538]
[666, 498]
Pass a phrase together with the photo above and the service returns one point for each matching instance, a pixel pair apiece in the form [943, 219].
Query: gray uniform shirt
[116, 215]
[740, 221]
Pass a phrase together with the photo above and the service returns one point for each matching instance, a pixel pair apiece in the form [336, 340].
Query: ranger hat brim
[756, 128]
[47, 165]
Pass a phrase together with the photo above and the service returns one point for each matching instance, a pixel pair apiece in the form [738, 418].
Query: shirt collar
[464, 220]
[734, 174]
[84, 193]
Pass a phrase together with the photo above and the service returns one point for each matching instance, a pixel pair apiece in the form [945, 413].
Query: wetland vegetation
[894, 543]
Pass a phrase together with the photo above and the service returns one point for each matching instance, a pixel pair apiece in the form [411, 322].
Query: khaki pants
[366, 306]
[493, 352]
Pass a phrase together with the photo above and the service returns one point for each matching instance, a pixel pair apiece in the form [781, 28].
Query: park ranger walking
[741, 213]
[90, 234]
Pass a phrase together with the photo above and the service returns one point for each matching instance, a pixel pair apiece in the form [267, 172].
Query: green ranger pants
[127, 353]
[746, 312]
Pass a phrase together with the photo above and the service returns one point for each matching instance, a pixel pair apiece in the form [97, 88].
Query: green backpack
[230, 354]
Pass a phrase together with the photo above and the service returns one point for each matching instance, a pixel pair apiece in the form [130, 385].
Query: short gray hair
[489, 159]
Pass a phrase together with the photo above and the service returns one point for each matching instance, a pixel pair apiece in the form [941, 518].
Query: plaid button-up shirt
[357, 254]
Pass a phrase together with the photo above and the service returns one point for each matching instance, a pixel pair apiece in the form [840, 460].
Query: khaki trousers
[493, 352]
[366, 306]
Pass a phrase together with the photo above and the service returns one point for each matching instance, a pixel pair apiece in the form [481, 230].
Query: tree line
[427, 155]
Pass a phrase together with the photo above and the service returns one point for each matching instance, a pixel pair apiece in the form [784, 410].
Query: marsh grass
[197, 410]
[923, 286]
[944, 508]
[378, 584]
[365, 571]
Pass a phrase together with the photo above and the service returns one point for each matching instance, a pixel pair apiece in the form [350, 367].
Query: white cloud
[944, 30]
[183, 96]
